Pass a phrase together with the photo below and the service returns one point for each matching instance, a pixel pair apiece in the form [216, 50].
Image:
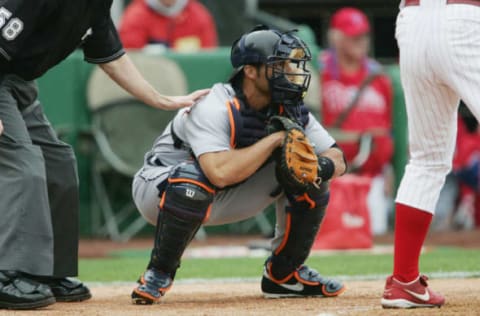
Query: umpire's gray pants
[229, 206]
[38, 188]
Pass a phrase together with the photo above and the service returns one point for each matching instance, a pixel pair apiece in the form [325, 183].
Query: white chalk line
[366, 277]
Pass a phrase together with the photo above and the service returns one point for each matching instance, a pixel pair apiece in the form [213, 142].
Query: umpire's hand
[177, 102]
[1, 127]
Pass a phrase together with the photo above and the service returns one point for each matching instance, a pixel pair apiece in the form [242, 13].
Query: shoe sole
[29, 305]
[139, 299]
[142, 301]
[274, 296]
[74, 298]
[291, 295]
[401, 303]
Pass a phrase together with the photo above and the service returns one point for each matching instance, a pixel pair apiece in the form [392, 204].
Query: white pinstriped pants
[439, 65]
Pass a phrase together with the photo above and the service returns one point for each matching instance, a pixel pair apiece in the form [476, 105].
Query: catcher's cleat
[153, 284]
[303, 282]
[410, 295]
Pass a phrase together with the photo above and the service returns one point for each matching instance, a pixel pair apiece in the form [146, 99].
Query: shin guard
[303, 218]
[184, 206]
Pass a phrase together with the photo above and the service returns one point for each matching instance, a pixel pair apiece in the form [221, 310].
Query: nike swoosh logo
[298, 287]
[424, 297]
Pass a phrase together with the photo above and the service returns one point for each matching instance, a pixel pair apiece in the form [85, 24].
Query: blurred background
[110, 132]
[234, 17]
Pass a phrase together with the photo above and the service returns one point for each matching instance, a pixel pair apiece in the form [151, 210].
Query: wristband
[326, 168]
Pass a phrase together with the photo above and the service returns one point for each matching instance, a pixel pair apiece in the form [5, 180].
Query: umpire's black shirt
[35, 35]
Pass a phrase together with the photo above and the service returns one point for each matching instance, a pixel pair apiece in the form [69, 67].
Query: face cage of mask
[284, 92]
[296, 79]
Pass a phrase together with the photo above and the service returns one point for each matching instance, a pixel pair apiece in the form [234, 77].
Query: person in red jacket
[466, 169]
[345, 67]
[183, 25]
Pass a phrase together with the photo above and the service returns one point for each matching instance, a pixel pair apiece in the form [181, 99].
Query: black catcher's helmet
[286, 54]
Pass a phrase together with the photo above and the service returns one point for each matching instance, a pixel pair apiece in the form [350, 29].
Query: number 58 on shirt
[10, 27]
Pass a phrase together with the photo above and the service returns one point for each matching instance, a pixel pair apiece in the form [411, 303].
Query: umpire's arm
[127, 76]
[103, 47]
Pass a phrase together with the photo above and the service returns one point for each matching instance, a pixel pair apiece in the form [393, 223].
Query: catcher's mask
[285, 56]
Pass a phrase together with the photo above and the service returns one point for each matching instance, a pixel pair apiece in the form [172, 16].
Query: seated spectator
[357, 102]
[458, 206]
[466, 169]
[182, 25]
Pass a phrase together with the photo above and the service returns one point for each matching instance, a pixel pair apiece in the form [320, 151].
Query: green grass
[128, 269]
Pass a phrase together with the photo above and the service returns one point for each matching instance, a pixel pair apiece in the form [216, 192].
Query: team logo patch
[189, 193]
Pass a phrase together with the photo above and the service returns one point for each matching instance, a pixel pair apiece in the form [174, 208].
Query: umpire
[38, 177]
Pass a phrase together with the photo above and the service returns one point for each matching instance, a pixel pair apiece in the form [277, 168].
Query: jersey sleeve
[103, 45]
[207, 127]
[18, 18]
[318, 135]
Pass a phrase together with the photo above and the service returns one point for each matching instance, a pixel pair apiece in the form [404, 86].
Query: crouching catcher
[248, 144]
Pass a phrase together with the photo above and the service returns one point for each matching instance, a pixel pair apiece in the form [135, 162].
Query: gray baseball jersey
[205, 128]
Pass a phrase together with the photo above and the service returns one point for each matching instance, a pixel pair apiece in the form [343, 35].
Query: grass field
[128, 268]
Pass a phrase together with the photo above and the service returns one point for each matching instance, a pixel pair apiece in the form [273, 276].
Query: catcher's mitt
[297, 163]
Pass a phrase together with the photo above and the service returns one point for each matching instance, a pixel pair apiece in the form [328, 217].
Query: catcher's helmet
[286, 54]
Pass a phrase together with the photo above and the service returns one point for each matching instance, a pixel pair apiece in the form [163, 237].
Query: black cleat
[303, 282]
[153, 284]
[20, 292]
[68, 289]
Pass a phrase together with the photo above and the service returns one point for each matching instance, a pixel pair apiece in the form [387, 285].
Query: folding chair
[124, 129]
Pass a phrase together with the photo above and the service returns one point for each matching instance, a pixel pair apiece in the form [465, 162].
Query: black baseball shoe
[20, 292]
[66, 289]
[153, 284]
[303, 282]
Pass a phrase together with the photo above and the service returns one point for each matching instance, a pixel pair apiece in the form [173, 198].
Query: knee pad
[188, 193]
[304, 216]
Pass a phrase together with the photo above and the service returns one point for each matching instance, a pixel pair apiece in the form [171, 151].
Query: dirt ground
[361, 298]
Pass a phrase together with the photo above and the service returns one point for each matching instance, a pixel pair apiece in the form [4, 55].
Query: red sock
[411, 227]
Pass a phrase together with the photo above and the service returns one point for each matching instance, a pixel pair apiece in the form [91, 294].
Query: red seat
[347, 221]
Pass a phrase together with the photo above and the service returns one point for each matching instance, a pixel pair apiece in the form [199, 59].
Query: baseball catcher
[249, 143]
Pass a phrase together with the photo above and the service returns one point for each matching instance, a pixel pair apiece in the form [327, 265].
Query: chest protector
[247, 126]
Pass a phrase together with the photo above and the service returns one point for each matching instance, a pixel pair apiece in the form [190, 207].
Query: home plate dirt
[361, 298]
